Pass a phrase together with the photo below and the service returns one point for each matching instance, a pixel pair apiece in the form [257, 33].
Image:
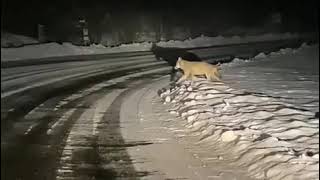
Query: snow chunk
[260, 56]
[228, 136]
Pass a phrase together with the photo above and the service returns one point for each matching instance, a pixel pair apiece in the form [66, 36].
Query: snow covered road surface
[24, 88]
[22, 83]
[263, 117]
[66, 49]
[74, 135]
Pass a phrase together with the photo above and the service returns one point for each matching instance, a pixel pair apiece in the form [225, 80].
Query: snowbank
[15, 40]
[272, 138]
[203, 41]
[66, 49]
[263, 56]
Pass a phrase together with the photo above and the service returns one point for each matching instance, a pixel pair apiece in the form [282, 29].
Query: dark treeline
[112, 22]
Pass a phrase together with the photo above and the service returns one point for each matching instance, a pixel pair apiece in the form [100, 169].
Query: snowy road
[61, 136]
[98, 118]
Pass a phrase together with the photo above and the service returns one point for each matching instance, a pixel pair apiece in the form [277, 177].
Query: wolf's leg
[184, 77]
[209, 77]
[193, 77]
[175, 75]
[217, 76]
[213, 77]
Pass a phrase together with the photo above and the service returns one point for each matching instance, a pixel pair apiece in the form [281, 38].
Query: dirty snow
[274, 136]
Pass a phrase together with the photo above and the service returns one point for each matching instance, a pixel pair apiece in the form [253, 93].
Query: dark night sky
[18, 15]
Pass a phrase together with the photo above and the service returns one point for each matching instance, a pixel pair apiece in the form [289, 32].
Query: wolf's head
[178, 64]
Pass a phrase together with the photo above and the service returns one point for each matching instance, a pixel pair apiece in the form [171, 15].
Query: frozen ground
[262, 116]
[65, 49]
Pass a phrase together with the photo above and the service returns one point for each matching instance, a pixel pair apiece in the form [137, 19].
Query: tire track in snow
[16, 107]
[66, 67]
[50, 133]
[93, 153]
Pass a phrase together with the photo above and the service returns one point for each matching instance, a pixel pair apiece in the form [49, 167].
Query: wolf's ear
[179, 58]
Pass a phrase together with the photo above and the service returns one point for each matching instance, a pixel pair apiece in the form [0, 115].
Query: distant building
[84, 32]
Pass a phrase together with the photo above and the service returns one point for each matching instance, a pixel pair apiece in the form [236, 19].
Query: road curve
[62, 138]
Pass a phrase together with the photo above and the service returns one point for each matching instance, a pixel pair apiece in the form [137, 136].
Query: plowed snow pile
[274, 139]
